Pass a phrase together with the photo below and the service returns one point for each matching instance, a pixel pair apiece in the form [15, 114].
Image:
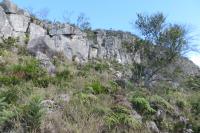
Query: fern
[161, 103]
[142, 105]
[5, 112]
[121, 116]
[32, 114]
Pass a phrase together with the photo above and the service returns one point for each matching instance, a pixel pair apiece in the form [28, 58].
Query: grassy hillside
[88, 98]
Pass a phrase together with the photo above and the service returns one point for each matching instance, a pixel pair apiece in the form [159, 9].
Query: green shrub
[63, 75]
[100, 67]
[181, 104]
[97, 88]
[9, 80]
[193, 83]
[11, 94]
[121, 116]
[84, 98]
[22, 50]
[29, 69]
[159, 102]
[8, 43]
[5, 112]
[42, 82]
[97, 66]
[32, 114]
[195, 103]
[142, 105]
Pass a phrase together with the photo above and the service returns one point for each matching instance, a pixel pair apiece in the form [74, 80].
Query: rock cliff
[47, 39]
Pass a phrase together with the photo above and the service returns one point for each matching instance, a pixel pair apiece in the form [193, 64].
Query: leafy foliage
[142, 105]
[193, 83]
[162, 45]
[97, 88]
[5, 111]
[32, 114]
[159, 102]
[121, 116]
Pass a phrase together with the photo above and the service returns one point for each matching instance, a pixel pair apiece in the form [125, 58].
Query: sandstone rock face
[5, 28]
[49, 38]
[152, 127]
[36, 31]
[109, 45]
[43, 44]
[9, 7]
[66, 30]
[19, 22]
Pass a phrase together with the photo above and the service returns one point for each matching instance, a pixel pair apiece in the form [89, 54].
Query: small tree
[161, 45]
[83, 22]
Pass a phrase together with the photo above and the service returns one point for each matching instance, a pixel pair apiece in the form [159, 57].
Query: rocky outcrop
[49, 38]
[5, 28]
[66, 39]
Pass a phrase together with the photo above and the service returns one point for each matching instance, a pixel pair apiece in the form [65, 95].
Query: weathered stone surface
[72, 47]
[45, 62]
[9, 7]
[19, 22]
[64, 98]
[110, 46]
[21, 36]
[66, 30]
[43, 44]
[36, 31]
[152, 127]
[160, 115]
[5, 28]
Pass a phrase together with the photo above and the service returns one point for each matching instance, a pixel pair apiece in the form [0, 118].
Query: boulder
[19, 22]
[46, 63]
[44, 49]
[5, 28]
[152, 127]
[49, 105]
[36, 31]
[9, 7]
[160, 115]
[43, 44]
[64, 98]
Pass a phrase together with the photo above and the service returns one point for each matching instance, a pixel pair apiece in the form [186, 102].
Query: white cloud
[195, 59]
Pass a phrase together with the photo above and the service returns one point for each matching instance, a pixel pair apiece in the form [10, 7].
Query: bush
[121, 117]
[5, 112]
[29, 69]
[181, 104]
[9, 80]
[42, 82]
[195, 103]
[193, 83]
[63, 75]
[8, 43]
[142, 105]
[161, 103]
[97, 66]
[32, 114]
[97, 88]
[86, 99]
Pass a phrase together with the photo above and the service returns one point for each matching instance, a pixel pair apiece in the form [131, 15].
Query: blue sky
[117, 14]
